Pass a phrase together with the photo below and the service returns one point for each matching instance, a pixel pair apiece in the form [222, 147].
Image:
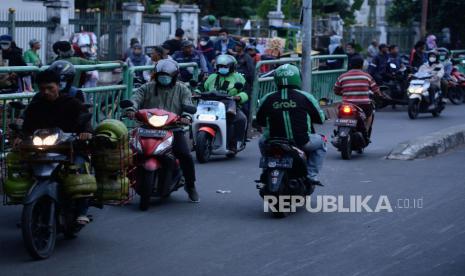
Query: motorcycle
[419, 100]
[158, 171]
[209, 127]
[349, 135]
[284, 172]
[393, 89]
[52, 187]
[456, 93]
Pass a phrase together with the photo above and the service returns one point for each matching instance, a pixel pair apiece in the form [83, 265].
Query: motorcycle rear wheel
[39, 229]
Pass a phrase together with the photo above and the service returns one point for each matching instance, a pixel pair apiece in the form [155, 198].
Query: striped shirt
[356, 87]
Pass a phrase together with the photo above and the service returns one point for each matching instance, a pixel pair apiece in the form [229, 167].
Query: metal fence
[155, 29]
[322, 80]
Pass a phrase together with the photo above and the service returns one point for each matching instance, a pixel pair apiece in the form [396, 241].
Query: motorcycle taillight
[346, 109]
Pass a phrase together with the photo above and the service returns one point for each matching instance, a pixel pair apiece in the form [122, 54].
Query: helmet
[287, 75]
[186, 43]
[226, 60]
[33, 42]
[166, 72]
[65, 69]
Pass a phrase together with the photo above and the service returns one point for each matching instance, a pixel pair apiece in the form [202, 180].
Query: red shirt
[356, 87]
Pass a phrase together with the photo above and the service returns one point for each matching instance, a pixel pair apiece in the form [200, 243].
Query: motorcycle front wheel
[145, 189]
[413, 109]
[39, 227]
[455, 95]
[203, 147]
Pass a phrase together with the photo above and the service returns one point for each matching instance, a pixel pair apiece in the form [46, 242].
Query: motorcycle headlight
[415, 90]
[207, 117]
[49, 140]
[158, 121]
[163, 145]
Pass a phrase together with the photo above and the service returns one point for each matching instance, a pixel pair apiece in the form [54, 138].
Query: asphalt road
[229, 234]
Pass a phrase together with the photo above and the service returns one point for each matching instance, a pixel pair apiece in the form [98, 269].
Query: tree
[404, 12]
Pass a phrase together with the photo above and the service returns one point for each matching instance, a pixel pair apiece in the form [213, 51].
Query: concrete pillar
[132, 11]
[58, 12]
[381, 20]
[185, 17]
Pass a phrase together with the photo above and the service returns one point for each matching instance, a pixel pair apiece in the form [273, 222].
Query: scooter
[209, 126]
[419, 100]
[158, 171]
[284, 173]
[350, 134]
[456, 93]
[393, 88]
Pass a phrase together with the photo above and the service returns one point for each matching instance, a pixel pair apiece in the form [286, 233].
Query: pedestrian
[224, 44]
[206, 47]
[128, 51]
[431, 43]
[11, 52]
[31, 56]
[138, 58]
[174, 45]
[372, 50]
[13, 56]
[417, 56]
[189, 54]
[335, 48]
[351, 54]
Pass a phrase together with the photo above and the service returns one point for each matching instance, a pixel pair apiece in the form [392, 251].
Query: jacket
[170, 99]
[197, 57]
[289, 113]
[63, 113]
[216, 82]
[219, 48]
[436, 74]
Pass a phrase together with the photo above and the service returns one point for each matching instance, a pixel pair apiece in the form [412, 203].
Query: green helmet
[287, 75]
[113, 129]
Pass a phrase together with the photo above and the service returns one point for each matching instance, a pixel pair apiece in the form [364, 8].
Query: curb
[429, 145]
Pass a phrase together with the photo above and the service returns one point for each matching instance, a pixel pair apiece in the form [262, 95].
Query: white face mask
[5, 46]
[432, 59]
[203, 43]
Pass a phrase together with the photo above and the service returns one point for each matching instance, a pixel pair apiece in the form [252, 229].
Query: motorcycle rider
[357, 87]
[167, 93]
[52, 109]
[290, 113]
[67, 72]
[436, 69]
[138, 58]
[189, 54]
[378, 67]
[225, 79]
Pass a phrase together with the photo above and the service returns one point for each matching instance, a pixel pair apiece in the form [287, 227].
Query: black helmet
[66, 71]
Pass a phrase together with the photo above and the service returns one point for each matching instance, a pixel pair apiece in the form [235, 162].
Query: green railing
[322, 80]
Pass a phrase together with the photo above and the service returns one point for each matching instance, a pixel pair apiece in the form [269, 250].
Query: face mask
[432, 59]
[223, 71]
[203, 43]
[164, 80]
[5, 46]
[223, 37]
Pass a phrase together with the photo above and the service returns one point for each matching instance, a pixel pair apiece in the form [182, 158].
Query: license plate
[211, 103]
[152, 133]
[279, 163]
[346, 122]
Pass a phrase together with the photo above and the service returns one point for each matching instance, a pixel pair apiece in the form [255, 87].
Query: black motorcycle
[394, 87]
[284, 172]
[351, 133]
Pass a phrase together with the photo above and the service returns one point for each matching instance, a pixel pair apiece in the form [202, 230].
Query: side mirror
[239, 86]
[17, 105]
[126, 104]
[189, 109]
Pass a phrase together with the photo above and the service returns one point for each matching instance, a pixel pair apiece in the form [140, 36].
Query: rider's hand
[237, 98]
[85, 136]
[186, 120]
[130, 114]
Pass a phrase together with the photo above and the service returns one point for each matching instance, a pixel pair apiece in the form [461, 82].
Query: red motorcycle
[456, 93]
[158, 172]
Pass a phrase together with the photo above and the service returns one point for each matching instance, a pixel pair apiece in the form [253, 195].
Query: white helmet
[167, 66]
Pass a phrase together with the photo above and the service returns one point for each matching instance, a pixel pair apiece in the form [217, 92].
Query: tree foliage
[404, 12]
